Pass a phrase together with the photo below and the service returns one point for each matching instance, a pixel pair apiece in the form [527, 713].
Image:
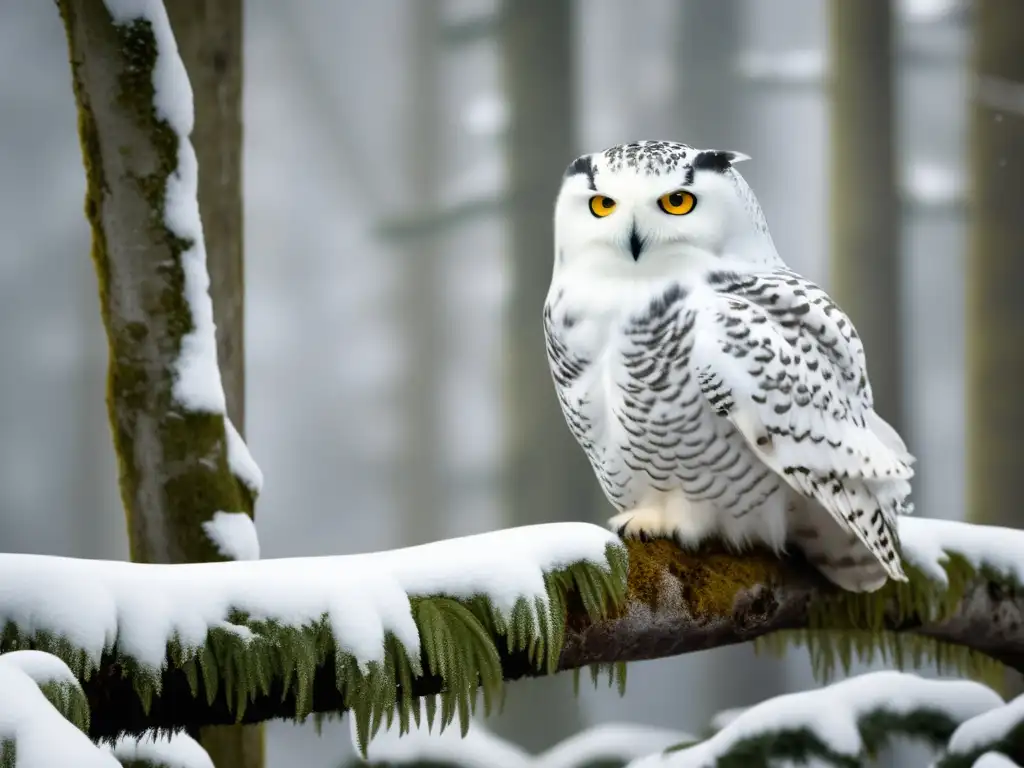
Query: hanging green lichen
[844, 626]
[242, 656]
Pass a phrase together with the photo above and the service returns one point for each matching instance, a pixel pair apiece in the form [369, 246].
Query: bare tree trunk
[708, 92]
[547, 473]
[209, 37]
[423, 503]
[865, 246]
[708, 109]
[995, 269]
[173, 456]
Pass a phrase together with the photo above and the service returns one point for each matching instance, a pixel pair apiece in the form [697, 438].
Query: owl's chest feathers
[636, 406]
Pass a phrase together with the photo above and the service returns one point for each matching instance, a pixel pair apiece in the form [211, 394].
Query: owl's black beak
[636, 243]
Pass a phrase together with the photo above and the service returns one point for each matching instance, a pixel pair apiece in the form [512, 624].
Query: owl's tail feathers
[838, 553]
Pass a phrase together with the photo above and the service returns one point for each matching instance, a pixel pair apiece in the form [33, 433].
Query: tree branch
[677, 603]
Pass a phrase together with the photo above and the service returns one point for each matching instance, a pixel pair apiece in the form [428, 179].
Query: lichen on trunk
[172, 458]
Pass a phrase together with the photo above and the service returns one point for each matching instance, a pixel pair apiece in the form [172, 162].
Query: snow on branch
[998, 730]
[43, 714]
[171, 646]
[994, 760]
[480, 748]
[177, 750]
[838, 725]
[189, 645]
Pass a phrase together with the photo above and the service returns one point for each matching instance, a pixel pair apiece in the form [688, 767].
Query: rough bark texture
[545, 469]
[677, 603]
[209, 37]
[995, 269]
[865, 208]
[172, 463]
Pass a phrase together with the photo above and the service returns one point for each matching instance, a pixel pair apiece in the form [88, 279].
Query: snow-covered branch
[844, 723]
[607, 744]
[189, 645]
[172, 646]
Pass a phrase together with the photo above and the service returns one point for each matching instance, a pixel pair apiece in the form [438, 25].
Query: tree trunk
[708, 113]
[209, 37]
[995, 269]
[175, 470]
[547, 473]
[865, 247]
[708, 91]
[423, 497]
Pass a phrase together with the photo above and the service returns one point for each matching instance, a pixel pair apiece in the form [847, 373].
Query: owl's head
[654, 208]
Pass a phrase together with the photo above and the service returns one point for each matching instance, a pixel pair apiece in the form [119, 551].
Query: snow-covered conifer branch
[43, 714]
[600, 745]
[44, 721]
[188, 645]
[998, 730]
[178, 750]
[839, 725]
[171, 646]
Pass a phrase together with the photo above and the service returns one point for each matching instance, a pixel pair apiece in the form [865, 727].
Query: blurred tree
[708, 92]
[547, 476]
[169, 484]
[995, 269]
[209, 37]
[708, 109]
[422, 506]
[865, 207]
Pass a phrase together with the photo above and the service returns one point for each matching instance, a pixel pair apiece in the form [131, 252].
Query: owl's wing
[776, 356]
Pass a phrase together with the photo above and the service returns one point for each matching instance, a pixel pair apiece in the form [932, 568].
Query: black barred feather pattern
[803, 365]
[716, 392]
[747, 394]
[641, 416]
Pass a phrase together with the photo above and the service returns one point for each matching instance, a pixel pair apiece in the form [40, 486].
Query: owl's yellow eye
[678, 203]
[601, 206]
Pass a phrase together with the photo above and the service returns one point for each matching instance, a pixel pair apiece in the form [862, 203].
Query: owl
[716, 392]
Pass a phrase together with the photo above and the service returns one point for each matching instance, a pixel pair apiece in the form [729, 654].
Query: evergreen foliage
[243, 655]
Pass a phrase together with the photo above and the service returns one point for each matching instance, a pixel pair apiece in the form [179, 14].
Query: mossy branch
[675, 602]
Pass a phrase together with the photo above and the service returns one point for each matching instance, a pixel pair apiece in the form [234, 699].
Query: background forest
[396, 388]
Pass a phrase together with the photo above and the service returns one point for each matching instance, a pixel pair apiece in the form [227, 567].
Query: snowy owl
[716, 392]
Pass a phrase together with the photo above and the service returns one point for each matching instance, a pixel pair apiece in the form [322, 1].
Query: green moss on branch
[248, 664]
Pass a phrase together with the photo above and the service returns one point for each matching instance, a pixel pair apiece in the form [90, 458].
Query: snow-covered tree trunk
[180, 465]
[995, 270]
[865, 210]
[209, 38]
[177, 454]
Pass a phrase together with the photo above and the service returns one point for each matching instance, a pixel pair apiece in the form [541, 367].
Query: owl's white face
[655, 209]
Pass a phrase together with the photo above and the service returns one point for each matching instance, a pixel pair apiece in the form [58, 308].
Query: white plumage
[716, 392]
